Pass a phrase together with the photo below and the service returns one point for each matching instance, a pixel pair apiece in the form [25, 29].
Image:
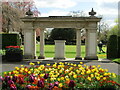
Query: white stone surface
[92, 44]
[42, 42]
[28, 43]
[59, 49]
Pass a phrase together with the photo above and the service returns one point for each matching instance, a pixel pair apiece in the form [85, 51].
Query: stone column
[78, 45]
[91, 44]
[41, 44]
[29, 43]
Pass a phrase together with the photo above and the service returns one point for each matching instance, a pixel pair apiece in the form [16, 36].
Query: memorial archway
[89, 23]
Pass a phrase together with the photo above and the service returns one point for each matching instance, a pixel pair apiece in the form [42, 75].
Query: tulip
[13, 87]
[1, 78]
[27, 87]
[14, 78]
[31, 78]
[46, 76]
[40, 84]
[7, 78]
[56, 84]
[71, 83]
[10, 82]
[21, 80]
[50, 86]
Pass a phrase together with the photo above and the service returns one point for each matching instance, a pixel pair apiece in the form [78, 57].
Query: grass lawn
[70, 51]
[117, 60]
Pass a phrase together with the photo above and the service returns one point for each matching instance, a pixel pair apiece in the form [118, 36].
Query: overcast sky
[107, 8]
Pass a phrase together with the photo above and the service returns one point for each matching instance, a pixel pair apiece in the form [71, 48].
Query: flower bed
[59, 76]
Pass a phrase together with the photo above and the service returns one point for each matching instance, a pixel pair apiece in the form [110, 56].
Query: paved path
[112, 67]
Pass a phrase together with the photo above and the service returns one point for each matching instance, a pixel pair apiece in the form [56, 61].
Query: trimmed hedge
[118, 47]
[10, 40]
[112, 51]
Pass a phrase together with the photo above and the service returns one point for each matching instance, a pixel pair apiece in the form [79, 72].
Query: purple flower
[10, 82]
[40, 84]
[51, 86]
[71, 83]
[31, 78]
[27, 87]
[46, 76]
[7, 78]
[1, 78]
[56, 84]
[14, 78]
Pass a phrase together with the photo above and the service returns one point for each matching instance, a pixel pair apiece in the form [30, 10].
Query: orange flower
[67, 82]
[56, 88]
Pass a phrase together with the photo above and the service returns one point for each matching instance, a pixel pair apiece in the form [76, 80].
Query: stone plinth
[59, 49]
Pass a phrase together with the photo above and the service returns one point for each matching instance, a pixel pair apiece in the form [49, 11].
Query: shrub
[118, 47]
[112, 47]
[10, 40]
[13, 53]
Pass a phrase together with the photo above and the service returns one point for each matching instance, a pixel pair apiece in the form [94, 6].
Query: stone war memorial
[88, 23]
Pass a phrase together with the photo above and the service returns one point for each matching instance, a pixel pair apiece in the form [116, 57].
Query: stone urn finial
[29, 13]
[92, 13]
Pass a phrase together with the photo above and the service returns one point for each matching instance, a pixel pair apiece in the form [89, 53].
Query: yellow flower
[74, 65]
[65, 62]
[105, 74]
[75, 76]
[88, 72]
[29, 72]
[58, 79]
[60, 84]
[9, 73]
[82, 73]
[62, 78]
[89, 78]
[48, 64]
[31, 63]
[79, 65]
[114, 75]
[5, 72]
[81, 62]
[21, 65]
[41, 75]
[22, 68]
[38, 62]
[78, 71]
[98, 78]
[17, 68]
[104, 78]
[106, 70]
[67, 79]
[26, 70]
[99, 66]
[92, 75]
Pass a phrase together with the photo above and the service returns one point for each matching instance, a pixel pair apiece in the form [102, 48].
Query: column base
[78, 58]
[28, 57]
[59, 58]
[91, 58]
[41, 57]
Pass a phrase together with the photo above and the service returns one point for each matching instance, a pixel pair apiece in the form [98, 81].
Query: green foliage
[112, 47]
[10, 40]
[67, 34]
